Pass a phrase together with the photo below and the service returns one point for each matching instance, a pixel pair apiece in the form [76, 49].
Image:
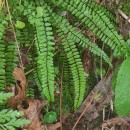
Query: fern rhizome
[44, 24]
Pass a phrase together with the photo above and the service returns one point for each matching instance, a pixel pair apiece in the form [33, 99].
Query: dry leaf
[32, 112]
[19, 91]
[54, 126]
[31, 108]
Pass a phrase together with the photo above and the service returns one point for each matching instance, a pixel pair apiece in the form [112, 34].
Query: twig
[29, 71]
[123, 15]
[61, 98]
[101, 64]
[83, 112]
[79, 24]
[30, 47]
[101, 76]
[117, 121]
[89, 103]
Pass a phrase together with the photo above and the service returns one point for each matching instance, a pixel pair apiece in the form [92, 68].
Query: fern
[8, 56]
[76, 69]
[40, 37]
[73, 35]
[44, 46]
[10, 120]
[3, 24]
[41, 20]
[25, 36]
[30, 93]
[28, 9]
[100, 10]
[78, 37]
[98, 23]
[67, 82]
[11, 56]
[44, 51]
[4, 97]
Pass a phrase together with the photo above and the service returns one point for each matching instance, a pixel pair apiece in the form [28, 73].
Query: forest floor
[95, 113]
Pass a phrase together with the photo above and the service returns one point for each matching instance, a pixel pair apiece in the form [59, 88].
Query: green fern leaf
[76, 36]
[3, 24]
[4, 97]
[44, 46]
[67, 83]
[98, 23]
[9, 119]
[11, 57]
[76, 69]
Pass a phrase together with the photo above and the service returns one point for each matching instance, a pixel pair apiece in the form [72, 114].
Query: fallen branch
[117, 121]
[98, 97]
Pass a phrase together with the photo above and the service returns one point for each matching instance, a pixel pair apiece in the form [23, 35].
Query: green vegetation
[53, 44]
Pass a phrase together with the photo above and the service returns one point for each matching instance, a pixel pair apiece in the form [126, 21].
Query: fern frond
[30, 93]
[10, 120]
[26, 35]
[76, 69]
[44, 73]
[3, 24]
[98, 23]
[37, 77]
[102, 8]
[102, 13]
[28, 9]
[76, 36]
[44, 46]
[11, 57]
[4, 97]
[67, 82]
[6, 115]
